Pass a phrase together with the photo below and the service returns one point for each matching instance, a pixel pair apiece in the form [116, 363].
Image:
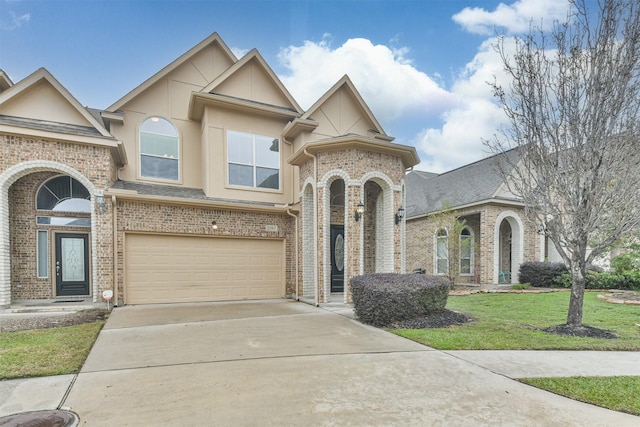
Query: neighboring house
[207, 182]
[500, 237]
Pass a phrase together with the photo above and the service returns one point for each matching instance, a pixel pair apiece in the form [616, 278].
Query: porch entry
[337, 258]
[72, 264]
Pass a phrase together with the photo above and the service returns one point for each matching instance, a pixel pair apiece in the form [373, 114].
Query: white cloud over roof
[514, 18]
[384, 76]
[453, 121]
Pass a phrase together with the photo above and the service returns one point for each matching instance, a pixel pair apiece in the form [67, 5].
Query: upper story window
[466, 251]
[159, 149]
[253, 160]
[442, 252]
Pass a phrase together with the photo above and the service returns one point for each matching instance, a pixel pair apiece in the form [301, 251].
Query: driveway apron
[287, 363]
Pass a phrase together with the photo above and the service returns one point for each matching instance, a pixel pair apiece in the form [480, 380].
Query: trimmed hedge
[541, 274]
[627, 281]
[382, 299]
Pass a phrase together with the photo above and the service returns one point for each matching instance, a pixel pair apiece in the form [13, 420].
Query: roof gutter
[471, 205]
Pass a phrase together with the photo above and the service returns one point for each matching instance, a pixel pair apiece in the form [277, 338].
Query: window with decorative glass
[253, 160]
[159, 149]
[442, 252]
[466, 251]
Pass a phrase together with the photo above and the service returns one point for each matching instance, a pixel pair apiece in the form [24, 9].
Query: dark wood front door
[337, 258]
[72, 264]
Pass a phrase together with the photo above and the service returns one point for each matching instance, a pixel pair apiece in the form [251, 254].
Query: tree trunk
[574, 318]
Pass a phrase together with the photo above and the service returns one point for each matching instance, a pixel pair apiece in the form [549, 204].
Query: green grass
[616, 393]
[513, 322]
[42, 352]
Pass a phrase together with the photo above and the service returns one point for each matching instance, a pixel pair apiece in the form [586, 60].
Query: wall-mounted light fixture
[214, 225]
[100, 201]
[359, 211]
[399, 215]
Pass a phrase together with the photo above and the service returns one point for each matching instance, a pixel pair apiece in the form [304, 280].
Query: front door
[337, 258]
[72, 264]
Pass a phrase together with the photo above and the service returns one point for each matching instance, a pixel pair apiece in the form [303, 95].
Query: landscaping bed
[27, 321]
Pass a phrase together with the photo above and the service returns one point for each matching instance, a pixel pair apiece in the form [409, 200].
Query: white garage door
[162, 269]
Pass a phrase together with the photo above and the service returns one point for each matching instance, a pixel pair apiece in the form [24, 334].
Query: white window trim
[179, 158]
[253, 165]
[435, 252]
[471, 250]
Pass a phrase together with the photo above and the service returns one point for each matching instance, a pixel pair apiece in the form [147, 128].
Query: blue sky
[421, 66]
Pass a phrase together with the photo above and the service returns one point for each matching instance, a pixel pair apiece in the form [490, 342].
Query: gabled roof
[253, 57]
[466, 185]
[5, 81]
[346, 84]
[212, 39]
[40, 76]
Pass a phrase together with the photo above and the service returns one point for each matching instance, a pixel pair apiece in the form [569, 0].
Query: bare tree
[573, 105]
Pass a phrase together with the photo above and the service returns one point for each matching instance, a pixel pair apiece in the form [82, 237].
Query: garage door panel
[161, 268]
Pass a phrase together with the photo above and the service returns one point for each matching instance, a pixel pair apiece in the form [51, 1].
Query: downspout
[315, 222]
[114, 213]
[296, 252]
[293, 186]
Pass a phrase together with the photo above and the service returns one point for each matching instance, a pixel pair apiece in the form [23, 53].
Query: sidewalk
[260, 353]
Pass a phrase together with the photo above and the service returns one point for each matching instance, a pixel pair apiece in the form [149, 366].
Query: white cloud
[239, 53]
[15, 21]
[459, 140]
[514, 18]
[385, 77]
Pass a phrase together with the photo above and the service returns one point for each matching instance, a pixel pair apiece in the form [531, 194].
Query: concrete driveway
[284, 363]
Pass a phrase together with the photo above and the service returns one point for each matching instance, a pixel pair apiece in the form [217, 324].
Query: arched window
[159, 149]
[63, 194]
[466, 251]
[442, 252]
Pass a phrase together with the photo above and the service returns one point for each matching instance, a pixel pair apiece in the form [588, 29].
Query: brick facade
[25, 164]
[372, 244]
[485, 222]
[184, 220]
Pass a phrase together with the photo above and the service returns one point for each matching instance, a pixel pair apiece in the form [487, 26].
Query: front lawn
[616, 393]
[42, 352]
[514, 322]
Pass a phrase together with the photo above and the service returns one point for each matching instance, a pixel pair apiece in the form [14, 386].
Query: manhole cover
[40, 419]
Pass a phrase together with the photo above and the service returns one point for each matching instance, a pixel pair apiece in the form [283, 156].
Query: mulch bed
[581, 331]
[442, 319]
[28, 321]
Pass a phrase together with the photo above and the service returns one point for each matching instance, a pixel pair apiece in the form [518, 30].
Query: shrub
[628, 261]
[382, 299]
[541, 274]
[594, 280]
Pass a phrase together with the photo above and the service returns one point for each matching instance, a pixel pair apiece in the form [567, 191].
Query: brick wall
[482, 220]
[185, 220]
[32, 161]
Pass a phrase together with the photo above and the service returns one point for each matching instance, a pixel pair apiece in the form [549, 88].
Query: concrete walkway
[288, 363]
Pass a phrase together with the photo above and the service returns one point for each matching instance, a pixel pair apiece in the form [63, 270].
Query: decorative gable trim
[212, 39]
[42, 74]
[253, 56]
[345, 82]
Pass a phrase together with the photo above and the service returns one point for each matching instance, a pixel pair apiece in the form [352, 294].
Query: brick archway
[7, 179]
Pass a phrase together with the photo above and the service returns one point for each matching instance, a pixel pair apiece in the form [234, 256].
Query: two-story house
[206, 182]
